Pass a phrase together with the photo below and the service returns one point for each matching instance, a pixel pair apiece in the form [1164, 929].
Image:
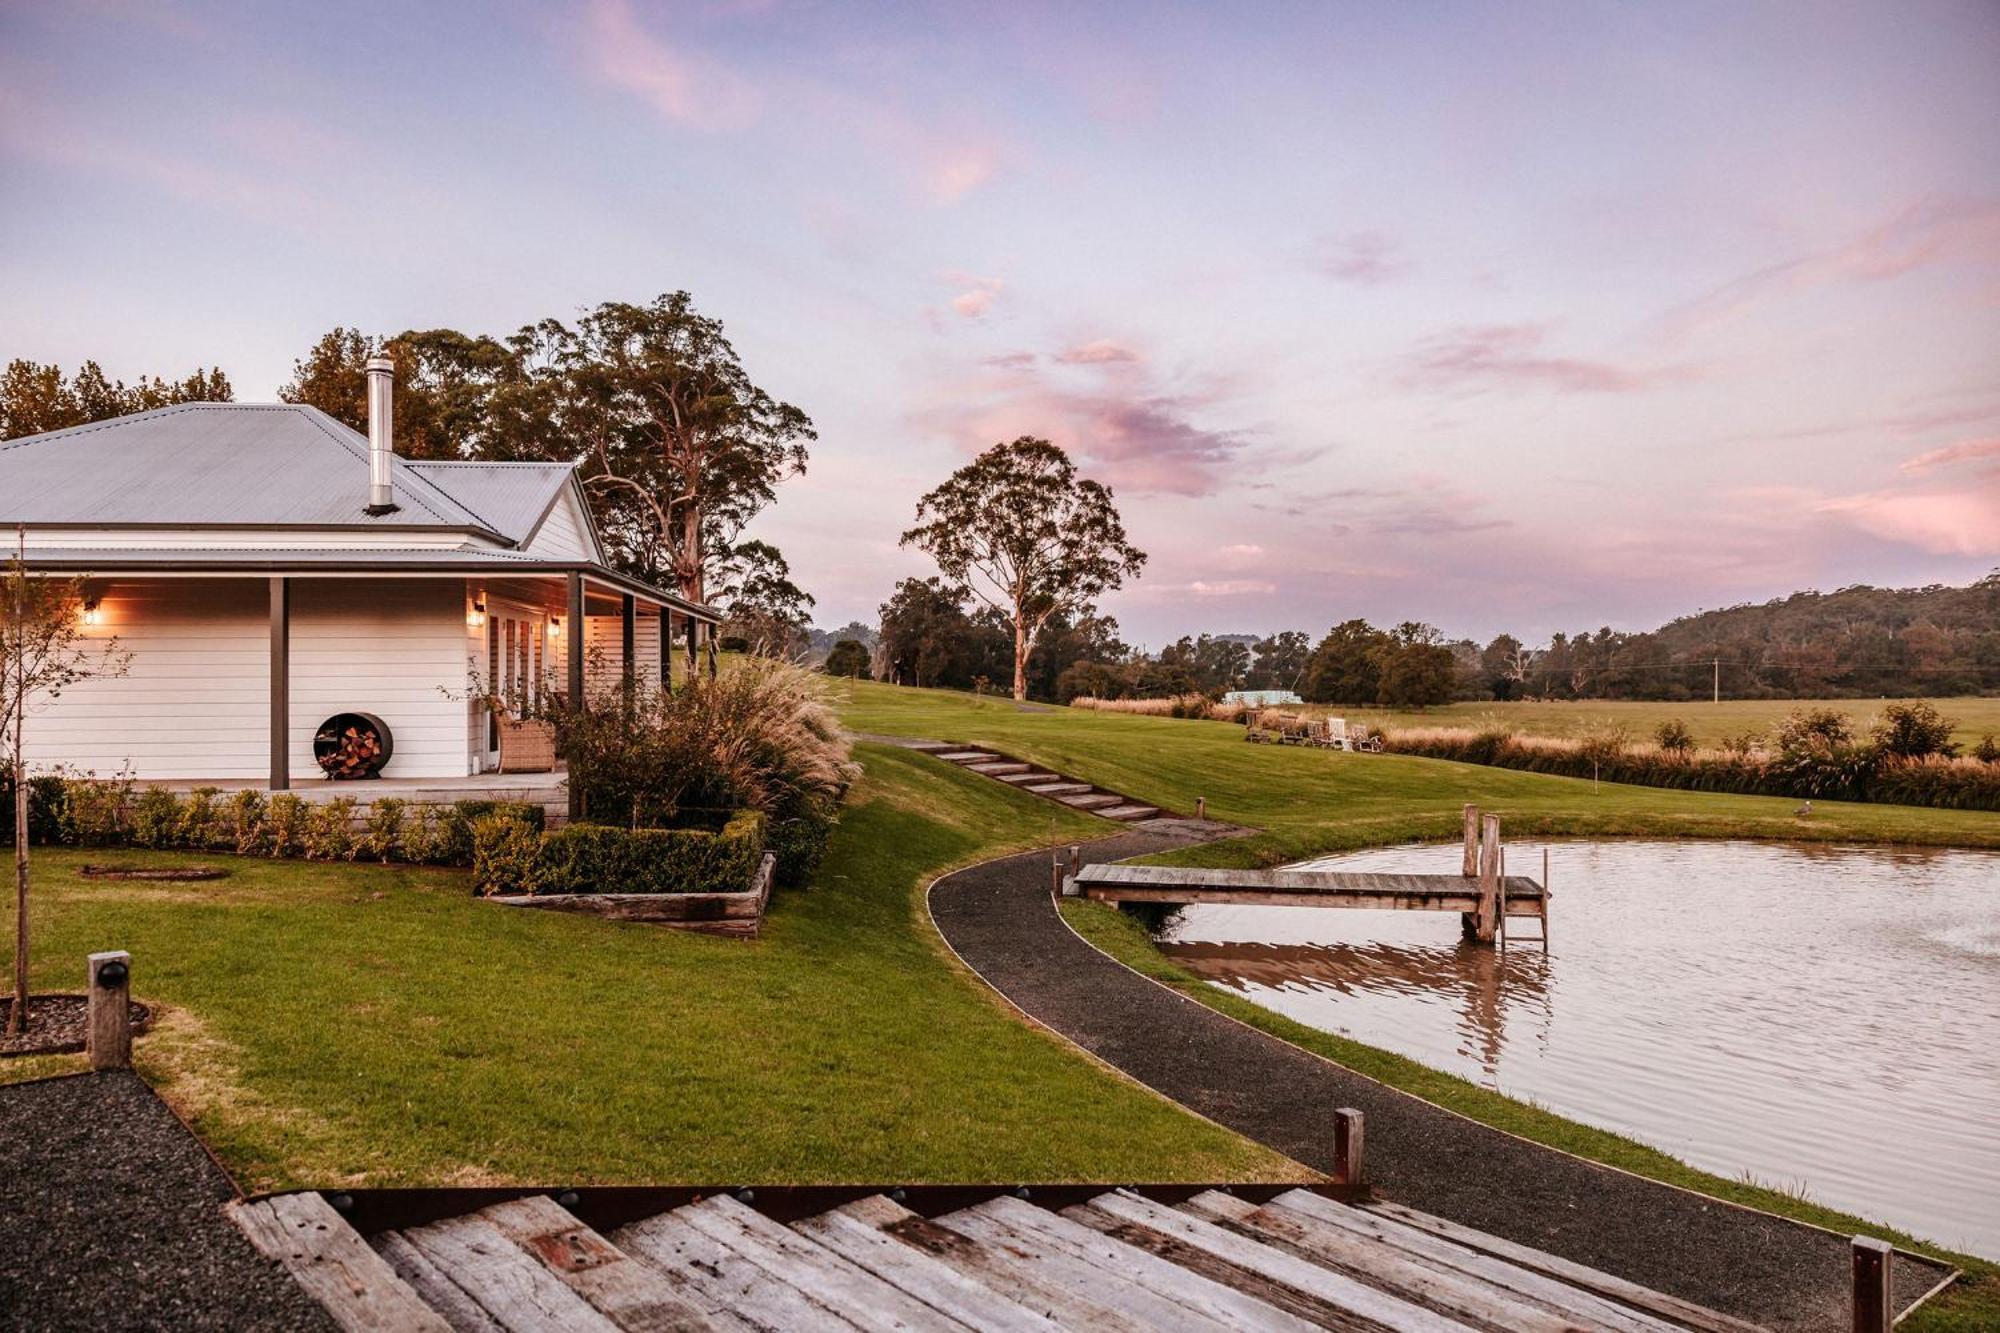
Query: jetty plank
[1428, 1248]
[1004, 1268]
[1334, 1291]
[1454, 1295]
[1136, 1298]
[326, 1256]
[1671, 1308]
[1200, 1300]
[922, 1275]
[1293, 888]
[519, 1294]
[829, 1279]
[623, 1290]
[717, 1278]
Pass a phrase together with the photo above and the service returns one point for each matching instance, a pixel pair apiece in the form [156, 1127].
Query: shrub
[1913, 731]
[97, 811]
[799, 840]
[504, 848]
[285, 817]
[1809, 729]
[1986, 752]
[600, 858]
[201, 824]
[244, 821]
[156, 818]
[1674, 738]
[384, 837]
[329, 830]
[420, 835]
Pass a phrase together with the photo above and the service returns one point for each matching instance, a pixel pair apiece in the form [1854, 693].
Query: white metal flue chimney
[381, 434]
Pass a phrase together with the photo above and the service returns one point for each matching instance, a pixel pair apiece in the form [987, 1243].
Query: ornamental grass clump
[762, 736]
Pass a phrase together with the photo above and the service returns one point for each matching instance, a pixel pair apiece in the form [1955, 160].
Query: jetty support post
[1347, 1165]
[1874, 1305]
[108, 1034]
[1471, 841]
[1487, 923]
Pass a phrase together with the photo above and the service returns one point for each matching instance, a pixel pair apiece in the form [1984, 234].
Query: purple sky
[1505, 317]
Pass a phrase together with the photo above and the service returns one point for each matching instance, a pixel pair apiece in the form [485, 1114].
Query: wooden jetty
[1484, 896]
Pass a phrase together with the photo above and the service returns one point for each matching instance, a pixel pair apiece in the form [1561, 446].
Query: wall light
[555, 627]
[477, 615]
[93, 612]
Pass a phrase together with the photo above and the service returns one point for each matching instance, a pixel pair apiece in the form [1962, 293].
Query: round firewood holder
[352, 746]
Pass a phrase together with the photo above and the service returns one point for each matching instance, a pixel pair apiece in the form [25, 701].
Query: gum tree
[1028, 536]
[43, 651]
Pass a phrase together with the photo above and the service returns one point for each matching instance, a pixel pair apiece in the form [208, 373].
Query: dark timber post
[666, 649]
[694, 661]
[1468, 922]
[108, 1032]
[1874, 1307]
[281, 683]
[1490, 887]
[574, 670]
[1347, 1146]
[628, 611]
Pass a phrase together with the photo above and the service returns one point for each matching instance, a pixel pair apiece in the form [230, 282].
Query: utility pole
[1718, 679]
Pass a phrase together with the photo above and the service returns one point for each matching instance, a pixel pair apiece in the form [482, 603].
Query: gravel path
[1001, 920]
[111, 1218]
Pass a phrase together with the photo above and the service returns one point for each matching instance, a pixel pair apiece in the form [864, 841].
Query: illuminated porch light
[477, 615]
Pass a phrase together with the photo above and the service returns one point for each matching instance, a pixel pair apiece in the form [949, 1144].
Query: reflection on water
[1813, 1016]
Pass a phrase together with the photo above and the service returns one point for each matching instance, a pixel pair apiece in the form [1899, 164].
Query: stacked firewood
[355, 752]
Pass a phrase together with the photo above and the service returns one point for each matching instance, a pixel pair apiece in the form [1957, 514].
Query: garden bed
[58, 1024]
[739, 914]
[167, 874]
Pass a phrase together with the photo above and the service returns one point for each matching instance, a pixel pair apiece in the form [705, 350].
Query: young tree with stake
[1028, 536]
[43, 651]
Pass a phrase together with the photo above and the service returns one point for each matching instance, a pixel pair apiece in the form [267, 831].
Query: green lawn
[376, 1025]
[1710, 722]
[1307, 801]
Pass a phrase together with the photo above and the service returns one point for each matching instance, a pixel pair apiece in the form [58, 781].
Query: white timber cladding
[565, 533]
[396, 648]
[195, 699]
[604, 649]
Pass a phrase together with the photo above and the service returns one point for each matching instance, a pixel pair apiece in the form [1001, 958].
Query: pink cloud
[1512, 353]
[1100, 352]
[1929, 231]
[1964, 451]
[1228, 588]
[1365, 258]
[959, 171]
[682, 86]
[974, 303]
[1939, 522]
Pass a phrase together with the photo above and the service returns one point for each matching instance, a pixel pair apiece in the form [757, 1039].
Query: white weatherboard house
[268, 568]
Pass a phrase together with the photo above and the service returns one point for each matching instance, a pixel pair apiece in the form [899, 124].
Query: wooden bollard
[1471, 841]
[109, 1035]
[1874, 1304]
[1347, 1168]
[1488, 923]
[1201, 807]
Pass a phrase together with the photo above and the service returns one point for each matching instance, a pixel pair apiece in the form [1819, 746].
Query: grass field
[1710, 722]
[339, 1024]
[1308, 801]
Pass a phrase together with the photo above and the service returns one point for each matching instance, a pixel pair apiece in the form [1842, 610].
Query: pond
[1816, 1018]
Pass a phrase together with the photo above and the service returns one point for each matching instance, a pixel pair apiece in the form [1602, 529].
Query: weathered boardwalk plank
[327, 1257]
[518, 1293]
[719, 1279]
[634, 1297]
[922, 1275]
[1123, 1214]
[1294, 888]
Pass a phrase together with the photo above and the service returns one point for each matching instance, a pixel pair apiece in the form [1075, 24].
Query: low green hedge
[83, 810]
[509, 857]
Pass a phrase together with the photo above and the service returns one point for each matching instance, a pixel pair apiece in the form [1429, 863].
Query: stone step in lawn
[1060, 788]
[1093, 801]
[1129, 812]
[968, 756]
[1032, 775]
[999, 768]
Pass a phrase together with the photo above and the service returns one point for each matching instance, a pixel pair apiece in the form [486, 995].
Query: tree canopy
[35, 398]
[1022, 532]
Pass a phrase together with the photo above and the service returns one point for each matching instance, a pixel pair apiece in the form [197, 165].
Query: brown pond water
[1824, 1019]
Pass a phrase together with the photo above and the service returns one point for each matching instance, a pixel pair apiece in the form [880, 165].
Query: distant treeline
[1857, 642]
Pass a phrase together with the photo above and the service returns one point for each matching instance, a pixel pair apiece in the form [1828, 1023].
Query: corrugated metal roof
[510, 497]
[238, 464]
